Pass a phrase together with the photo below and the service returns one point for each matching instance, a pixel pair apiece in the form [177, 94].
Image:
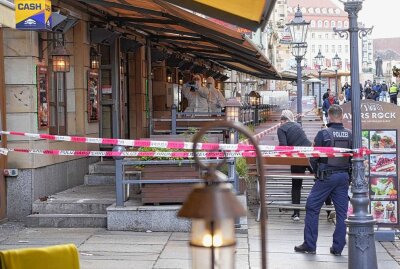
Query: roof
[185, 32]
[331, 9]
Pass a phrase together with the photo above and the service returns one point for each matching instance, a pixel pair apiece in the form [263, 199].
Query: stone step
[67, 220]
[105, 167]
[85, 206]
[99, 179]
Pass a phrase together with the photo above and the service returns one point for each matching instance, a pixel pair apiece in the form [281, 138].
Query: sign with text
[380, 133]
[33, 14]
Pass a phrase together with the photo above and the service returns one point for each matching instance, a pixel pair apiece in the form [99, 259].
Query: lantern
[213, 210]
[94, 59]
[319, 59]
[232, 109]
[60, 59]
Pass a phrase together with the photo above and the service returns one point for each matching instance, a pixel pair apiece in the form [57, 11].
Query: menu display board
[93, 96]
[43, 97]
[380, 133]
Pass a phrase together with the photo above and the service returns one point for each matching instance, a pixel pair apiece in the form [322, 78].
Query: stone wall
[31, 184]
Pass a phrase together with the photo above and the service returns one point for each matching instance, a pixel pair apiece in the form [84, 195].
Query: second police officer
[332, 176]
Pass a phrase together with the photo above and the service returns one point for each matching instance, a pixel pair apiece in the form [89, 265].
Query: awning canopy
[250, 14]
[188, 33]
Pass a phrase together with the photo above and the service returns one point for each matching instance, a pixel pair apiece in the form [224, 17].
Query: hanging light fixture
[60, 59]
[94, 59]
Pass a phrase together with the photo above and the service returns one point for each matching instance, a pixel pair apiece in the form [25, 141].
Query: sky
[383, 15]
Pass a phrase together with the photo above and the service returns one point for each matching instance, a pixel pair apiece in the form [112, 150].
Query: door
[114, 100]
[3, 159]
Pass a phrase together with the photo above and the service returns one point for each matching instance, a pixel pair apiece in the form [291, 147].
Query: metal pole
[337, 86]
[299, 90]
[362, 252]
[320, 86]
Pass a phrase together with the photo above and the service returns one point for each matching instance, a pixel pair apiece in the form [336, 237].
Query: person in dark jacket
[326, 94]
[332, 179]
[328, 102]
[291, 133]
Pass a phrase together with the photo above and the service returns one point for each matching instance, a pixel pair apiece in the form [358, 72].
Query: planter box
[168, 192]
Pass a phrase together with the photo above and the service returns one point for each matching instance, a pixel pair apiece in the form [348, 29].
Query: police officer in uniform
[332, 179]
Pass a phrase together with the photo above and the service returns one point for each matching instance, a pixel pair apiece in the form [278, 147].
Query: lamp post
[362, 252]
[213, 208]
[319, 61]
[298, 31]
[253, 99]
[337, 62]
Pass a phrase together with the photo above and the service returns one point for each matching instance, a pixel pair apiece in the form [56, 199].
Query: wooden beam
[123, 6]
[163, 30]
[143, 20]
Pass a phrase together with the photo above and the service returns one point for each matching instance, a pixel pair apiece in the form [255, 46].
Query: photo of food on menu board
[384, 188]
[365, 139]
[383, 141]
[383, 164]
[384, 211]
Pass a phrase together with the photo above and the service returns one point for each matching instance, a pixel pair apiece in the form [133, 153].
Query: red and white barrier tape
[262, 134]
[174, 144]
[201, 154]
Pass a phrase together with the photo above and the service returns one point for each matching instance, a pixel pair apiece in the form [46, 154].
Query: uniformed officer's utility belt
[322, 175]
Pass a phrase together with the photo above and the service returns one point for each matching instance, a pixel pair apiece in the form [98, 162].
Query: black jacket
[292, 134]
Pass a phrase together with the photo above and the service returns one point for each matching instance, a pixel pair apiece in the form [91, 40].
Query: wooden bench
[278, 187]
[170, 180]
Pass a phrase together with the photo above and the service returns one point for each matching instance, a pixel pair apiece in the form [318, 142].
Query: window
[339, 48]
[333, 24]
[346, 24]
[346, 48]
[324, 11]
[58, 103]
[313, 35]
[313, 48]
[333, 36]
[319, 47]
[337, 11]
[319, 24]
[313, 24]
[333, 48]
[319, 36]
[326, 36]
[330, 10]
[327, 48]
[339, 24]
[310, 10]
[317, 10]
[326, 24]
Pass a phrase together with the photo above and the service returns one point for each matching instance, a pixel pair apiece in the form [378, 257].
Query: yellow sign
[33, 14]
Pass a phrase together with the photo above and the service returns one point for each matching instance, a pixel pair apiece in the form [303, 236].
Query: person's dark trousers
[393, 99]
[297, 185]
[336, 186]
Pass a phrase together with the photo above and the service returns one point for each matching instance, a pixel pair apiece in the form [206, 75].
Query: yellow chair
[54, 257]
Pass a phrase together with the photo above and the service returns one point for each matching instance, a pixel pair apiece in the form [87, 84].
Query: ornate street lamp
[362, 252]
[298, 31]
[254, 101]
[60, 59]
[319, 61]
[213, 209]
[337, 62]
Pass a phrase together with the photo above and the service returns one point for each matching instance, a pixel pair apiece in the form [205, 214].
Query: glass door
[106, 93]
